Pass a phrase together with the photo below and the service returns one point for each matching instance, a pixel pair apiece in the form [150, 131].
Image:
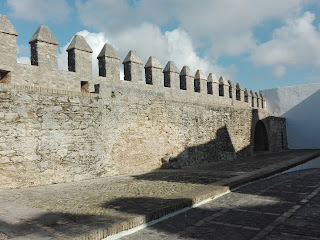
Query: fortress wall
[30, 75]
[54, 136]
[62, 126]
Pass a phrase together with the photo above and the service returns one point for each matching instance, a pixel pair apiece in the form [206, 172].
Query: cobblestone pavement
[94, 209]
[284, 207]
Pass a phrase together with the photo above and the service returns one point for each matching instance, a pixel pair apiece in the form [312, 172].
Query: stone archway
[261, 142]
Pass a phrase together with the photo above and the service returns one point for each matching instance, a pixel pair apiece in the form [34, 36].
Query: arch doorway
[261, 142]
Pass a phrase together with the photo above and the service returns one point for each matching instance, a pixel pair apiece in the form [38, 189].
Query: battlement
[62, 126]
[168, 81]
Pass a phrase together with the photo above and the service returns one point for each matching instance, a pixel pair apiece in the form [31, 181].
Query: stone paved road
[95, 209]
[285, 207]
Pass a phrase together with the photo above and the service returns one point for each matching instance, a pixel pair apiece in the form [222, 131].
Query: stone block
[223, 87]
[109, 61]
[153, 72]
[200, 82]
[239, 92]
[232, 90]
[8, 46]
[254, 99]
[44, 48]
[186, 79]
[79, 56]
[171, 76]
[133, 67]
[213, 85]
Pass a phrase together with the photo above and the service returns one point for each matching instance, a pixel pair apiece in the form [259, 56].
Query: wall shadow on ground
[219, 150]
[57, 225]
[216, 150]
[253, 206]
[241, 208]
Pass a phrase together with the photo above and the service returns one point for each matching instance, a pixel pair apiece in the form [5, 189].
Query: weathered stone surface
[223, 87]
[239, 87]
[254, 99]
[153, 72]
[6, 26]
[108, 51]
[58, 137]
[186, 71]
[171, 67]
[44, 50]
[109, 61]
[153, 62]
[79, 56]
[232, 90]
[186, 79]
[223, 80]
[44, 34]
[200, 82]
[132, 56]
[79, 43]
[200, 75]
[8, 47]
[257, 96]
[171, 76]
[263, 101]
[212, 78]
[53, 132]
[239, 92]
[214, 83]
[231, 84]
[248, 97]
[133, 67]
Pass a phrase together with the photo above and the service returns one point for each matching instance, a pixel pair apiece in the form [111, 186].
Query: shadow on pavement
[57, 226]
[238, 215]
[245, 212]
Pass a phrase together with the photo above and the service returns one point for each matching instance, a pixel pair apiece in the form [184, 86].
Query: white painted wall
[300, 105]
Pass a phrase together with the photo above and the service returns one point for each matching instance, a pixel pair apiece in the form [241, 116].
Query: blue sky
[261, 44]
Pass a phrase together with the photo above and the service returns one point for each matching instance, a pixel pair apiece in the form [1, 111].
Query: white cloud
[223, 27]
[39, 10]
[216, 28]
[23, 49]
[147, 38]
[114, 15]
[181, 50]
[24, 60]
[279, 71]
[228, 25]
[296, 43]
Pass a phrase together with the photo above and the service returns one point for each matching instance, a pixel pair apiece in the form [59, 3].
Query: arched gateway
[261, 142]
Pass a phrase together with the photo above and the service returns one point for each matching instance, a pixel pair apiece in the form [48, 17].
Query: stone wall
[49, 136]
[59, 126]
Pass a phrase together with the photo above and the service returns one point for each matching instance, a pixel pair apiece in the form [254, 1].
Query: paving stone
[79, 209]
[250, 219]
[285, 236]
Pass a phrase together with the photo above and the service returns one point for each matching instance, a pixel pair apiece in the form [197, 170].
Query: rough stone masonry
[62, 126]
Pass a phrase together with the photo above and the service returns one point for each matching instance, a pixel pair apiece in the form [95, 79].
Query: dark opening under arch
[261, 142]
